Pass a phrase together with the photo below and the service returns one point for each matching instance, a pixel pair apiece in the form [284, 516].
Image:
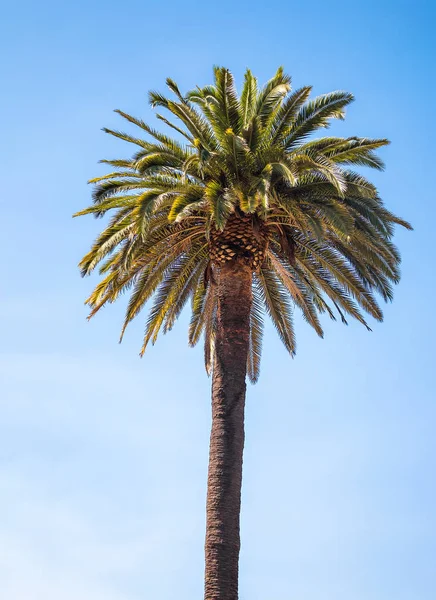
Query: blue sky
[103, 455]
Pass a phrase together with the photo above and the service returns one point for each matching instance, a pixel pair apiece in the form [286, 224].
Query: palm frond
[288, 112]
[248, 99]
[277, 304]
[255, 340]
[317, 113]
[272, 94]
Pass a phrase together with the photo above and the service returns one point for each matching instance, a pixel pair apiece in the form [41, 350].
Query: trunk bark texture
[227, 436]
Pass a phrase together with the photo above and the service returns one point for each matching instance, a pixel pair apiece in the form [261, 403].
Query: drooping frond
[278, 305]
[256, 335]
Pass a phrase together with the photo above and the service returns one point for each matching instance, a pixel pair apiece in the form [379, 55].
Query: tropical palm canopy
[243, 178]
[242, 213]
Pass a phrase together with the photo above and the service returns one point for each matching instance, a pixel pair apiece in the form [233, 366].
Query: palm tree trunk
[227, 436]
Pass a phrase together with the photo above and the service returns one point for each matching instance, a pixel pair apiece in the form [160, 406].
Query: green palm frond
[272, 95]
[227, 108]
[317, 113]
[277, 303]
[286, 116]
[248, 99]
[256, 335]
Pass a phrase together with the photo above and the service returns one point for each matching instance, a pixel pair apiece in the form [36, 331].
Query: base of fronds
[243, 238]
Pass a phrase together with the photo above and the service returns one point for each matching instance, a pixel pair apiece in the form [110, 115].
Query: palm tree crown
[243, 179]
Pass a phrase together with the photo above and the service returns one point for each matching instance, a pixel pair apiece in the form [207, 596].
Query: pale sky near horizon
[103, 456]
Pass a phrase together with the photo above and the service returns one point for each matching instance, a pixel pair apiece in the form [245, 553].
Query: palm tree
[242, 214]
